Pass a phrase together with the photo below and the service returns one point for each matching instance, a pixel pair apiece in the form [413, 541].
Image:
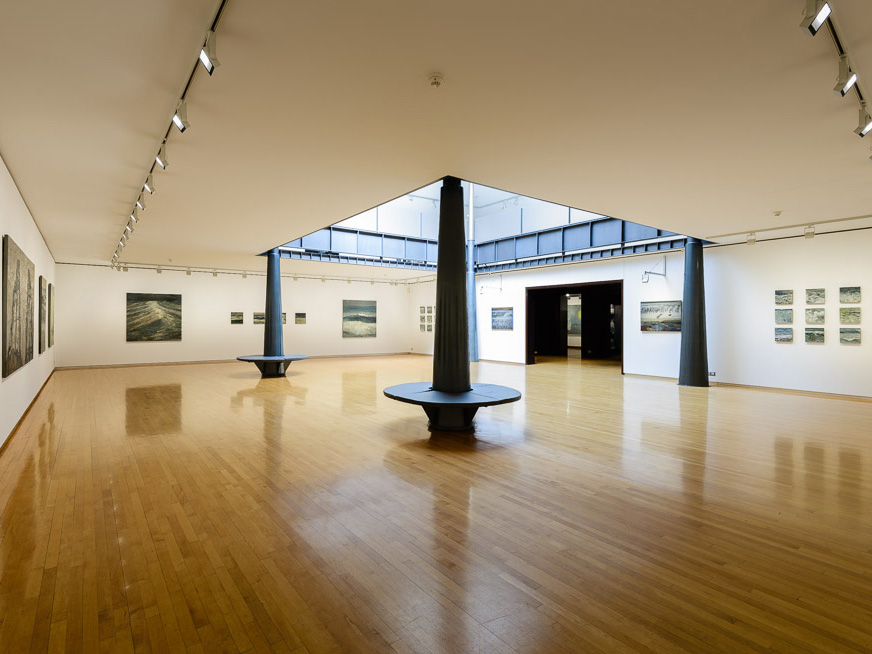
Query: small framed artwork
[284, 318]
[814, 334]
[815, 316]
[423, 309]
[784, 316]
[849, 336]
[784, 334]
[259, 318]
[236, 317]
[849, 295]
[299, 318]
[423, 327]
[423, 318]
[429, 318]
[849, 315]
[503, 318]
[662, 316]
[429, 309]
[815, 296]
[784, 297]
[429, 328]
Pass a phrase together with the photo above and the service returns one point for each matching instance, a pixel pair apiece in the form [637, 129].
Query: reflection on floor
[200, 507]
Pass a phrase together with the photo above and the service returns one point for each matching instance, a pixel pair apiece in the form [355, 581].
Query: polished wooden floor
[200, 508]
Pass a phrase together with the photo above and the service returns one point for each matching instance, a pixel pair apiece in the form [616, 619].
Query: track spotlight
[149, 183]
[214, 274]
[140, 202]
[865, 123]
[847, 77]
[208, 54]
[128, 228]
[809, 231]
[180, 118]
[159, 271]
[133, 216]
[752, 238]
[161, 157]
[188, 272]
[816, 14]
[125, 269]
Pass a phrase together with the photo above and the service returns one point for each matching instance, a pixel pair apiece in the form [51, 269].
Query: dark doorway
[549, 321]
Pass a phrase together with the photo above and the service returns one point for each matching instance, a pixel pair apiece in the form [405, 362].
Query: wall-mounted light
[816, 14]
[208, 54]
[180, 118]
[847, 77]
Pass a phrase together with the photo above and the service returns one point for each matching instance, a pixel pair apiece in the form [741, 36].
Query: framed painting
[18, 281]
[299, 318]
[358, 319]
[51, 314]
[43, 314]
[236, 317]
[661, 316]
[784, 297]
[154, 317]
[503, 318]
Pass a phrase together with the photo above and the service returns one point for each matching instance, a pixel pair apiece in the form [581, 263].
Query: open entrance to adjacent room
[575, 320]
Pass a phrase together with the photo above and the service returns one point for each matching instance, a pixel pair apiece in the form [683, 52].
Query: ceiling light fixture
[180, 118]
[208, 54]
[149, 183]
[128, 228]
[809, 231]
[865, 123]
[161, 156]
[847, 77]
[816, 14]
[133, 216]
[140, 202]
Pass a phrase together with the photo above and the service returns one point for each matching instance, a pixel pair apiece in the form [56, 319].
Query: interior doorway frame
[528, 316]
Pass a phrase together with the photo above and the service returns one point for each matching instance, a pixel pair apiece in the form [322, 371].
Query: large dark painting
[154, 317]
[18, 277]
[43, 313]
[50, 315]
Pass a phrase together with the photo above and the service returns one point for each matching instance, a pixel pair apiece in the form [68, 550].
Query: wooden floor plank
[202, 508]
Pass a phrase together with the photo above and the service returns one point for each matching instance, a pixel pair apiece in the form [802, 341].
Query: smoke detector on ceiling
[435, 80]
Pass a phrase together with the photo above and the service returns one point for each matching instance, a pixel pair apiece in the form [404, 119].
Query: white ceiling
[701, 118]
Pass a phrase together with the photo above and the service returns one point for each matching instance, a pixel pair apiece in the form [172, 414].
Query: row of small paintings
[847, 295]
[18, 308]
[817, 316]
[259, 318]
[847, 335]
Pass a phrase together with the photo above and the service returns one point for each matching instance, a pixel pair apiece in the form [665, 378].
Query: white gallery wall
[740, 285]
[91, 310]
[18, 390]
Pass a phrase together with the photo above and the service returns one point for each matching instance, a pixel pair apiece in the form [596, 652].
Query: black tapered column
[693, 368]
[272, 333]
[451, 336]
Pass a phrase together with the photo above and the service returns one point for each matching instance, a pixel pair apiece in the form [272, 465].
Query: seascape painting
[299, 318]
[784, 297]
[815, 316]
[429, 328]
[358, 319]
[236, 317]
[43, 313]
[259, 318]
[51, 315]
[423, 327]
[18, 281]
[784, 316]
[849, 295]
[784, 334]
[849, 315]
[423, 309]
[154, 317]
[849, 336]
[661, 316]
[815, 296]
[814, 334]
[503, 318]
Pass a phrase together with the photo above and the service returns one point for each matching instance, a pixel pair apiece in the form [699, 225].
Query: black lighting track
[840, 49]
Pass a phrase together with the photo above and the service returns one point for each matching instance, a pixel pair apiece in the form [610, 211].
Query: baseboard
[210, 361]
[791, 391]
